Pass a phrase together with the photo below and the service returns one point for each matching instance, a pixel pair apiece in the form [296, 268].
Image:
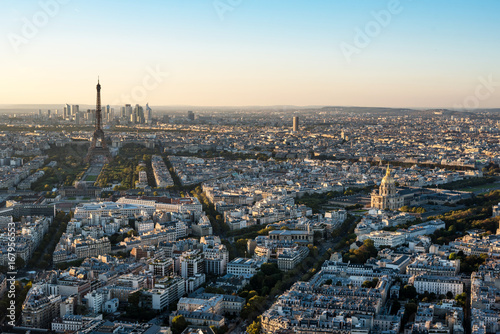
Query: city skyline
[240, 53]
[249, 167]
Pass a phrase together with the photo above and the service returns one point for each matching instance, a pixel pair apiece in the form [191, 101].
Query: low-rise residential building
[384, 238]
[160, 172]
[165, 292]
[68, 323]
[323, 305]
[39, 308]
[440, 285]
[289, 258]
[216, 259]
[212, 303]
[298, 236]
[161, 267]
[85, 210]
[433, 265]
[200, 318]
[242, 266]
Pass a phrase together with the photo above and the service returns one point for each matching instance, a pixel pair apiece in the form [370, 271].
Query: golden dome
[388, 179]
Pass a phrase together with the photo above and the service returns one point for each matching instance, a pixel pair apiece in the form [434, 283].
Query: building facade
[438, 284]
[387, 196]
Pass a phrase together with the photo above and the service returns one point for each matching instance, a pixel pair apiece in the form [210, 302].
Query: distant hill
[32, 108]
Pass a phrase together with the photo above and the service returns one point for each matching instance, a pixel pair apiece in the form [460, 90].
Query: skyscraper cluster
[71, 112]
[136, 115]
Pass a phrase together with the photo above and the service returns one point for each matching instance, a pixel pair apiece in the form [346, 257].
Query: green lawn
[91, 178]
[482, 188]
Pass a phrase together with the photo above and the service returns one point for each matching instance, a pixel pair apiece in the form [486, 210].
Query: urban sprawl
[265, 220]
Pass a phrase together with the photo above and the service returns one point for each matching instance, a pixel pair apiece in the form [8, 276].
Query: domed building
[387, 196]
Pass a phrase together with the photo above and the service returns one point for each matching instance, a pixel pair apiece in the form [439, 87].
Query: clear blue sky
[250, 52]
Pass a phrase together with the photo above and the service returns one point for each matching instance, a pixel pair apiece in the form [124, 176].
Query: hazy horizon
[33, 108]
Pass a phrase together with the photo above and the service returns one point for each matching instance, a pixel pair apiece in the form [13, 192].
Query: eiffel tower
[98, 150]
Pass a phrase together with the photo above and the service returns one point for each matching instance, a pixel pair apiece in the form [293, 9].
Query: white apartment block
[180, 230]
[216, 259]
[144, 226]
[165, 292]
[85, 210]
[191, 263]
[242, 266]
[186, 204]
[68, 323]
[96, 299]
[194, 282]
[162, 267]
[159, 298]
[339, 215]
[212, 303]
[384, 238]
[438, 284]
[291, 257]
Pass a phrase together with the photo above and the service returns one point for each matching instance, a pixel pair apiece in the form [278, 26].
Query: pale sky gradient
[262, 52]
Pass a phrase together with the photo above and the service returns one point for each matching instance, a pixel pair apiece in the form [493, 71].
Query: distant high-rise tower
[296, 123]
[190, 115]
[148, 114]
[98, 149]
[123, 113]
[128, 111]
[75, 109]
[138, 115]
[67, 111]
[111, 115]
[107, 111]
